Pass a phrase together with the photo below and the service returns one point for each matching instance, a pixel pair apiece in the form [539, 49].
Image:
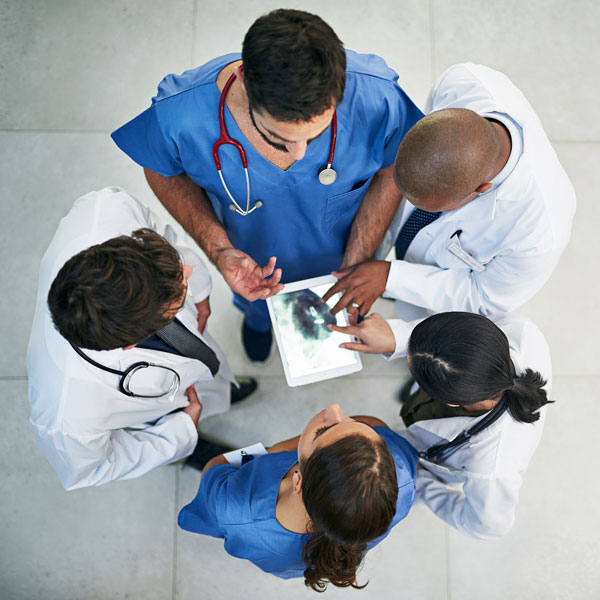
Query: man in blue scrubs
[294, 80]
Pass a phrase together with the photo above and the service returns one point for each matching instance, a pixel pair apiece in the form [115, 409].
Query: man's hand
[245, 277]
[194, 408]
[203, 309]
[361, 285]
[374, 334]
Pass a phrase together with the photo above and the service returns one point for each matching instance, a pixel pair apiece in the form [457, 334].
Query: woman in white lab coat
[465, 367]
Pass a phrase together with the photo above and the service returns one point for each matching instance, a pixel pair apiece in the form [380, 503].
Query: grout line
[447, 544]
[174, 566]
[194, 17]
[431, 41]
[24, 130]
[13, 378]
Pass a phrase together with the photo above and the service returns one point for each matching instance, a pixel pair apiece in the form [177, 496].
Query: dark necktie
[417, 220]
[176, 338]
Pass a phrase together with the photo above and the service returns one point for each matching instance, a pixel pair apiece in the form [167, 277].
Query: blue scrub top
[302, 222]
[238, 505]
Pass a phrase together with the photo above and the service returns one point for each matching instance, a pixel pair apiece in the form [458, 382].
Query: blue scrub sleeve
[142, 140]
[200, 515]
[403, 115]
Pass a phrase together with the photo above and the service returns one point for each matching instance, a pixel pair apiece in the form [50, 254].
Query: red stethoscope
[326, 175]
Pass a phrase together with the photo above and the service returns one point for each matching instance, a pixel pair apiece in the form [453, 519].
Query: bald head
[445, 158]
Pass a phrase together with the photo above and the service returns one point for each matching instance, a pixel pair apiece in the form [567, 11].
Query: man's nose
[296, 149]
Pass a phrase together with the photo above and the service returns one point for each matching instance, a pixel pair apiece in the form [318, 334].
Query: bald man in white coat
[499, 203]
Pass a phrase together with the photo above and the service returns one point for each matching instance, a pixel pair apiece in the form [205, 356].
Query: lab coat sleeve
[507, 282]
[91, 460]
[401, 330]
[143, 140]
[483, 508]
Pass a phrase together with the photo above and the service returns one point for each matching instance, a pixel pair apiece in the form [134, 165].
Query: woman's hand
[374, 334]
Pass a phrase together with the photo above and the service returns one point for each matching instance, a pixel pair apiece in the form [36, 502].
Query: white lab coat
[89, 431]
[476, 489]
[514, 233]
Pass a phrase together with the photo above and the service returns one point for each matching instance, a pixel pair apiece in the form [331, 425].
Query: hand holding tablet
[309, 349]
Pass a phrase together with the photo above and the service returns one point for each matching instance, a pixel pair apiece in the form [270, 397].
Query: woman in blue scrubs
[334, 491]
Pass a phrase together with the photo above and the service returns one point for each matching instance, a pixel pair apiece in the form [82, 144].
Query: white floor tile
[115, 541]
[87, 65]
[567, 308]
[552, 551]
[548, 48]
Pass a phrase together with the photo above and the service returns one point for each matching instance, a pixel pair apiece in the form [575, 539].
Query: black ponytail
[463, 358]
[526, 396]
[349, 490]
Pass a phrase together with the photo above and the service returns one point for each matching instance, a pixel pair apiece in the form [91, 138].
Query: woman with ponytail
[467, 368]
[313, 505]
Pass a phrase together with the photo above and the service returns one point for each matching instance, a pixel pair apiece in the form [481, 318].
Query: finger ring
[354, 305]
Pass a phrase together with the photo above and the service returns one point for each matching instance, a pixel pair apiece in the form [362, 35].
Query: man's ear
[239, 73]
[483, 188]
[297, 482]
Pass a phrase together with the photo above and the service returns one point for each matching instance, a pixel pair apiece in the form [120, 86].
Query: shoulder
[249, 493]
[403, 453]
[528, 346]
[369, 66]
[173, 85]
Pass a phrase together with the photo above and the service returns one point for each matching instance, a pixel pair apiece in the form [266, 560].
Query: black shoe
[257, 344]
[247, 386]
[203, 452]
[404, 393]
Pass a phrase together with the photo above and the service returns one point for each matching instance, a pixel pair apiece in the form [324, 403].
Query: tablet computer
[309, 350]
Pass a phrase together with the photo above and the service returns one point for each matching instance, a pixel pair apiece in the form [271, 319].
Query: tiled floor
[70, 72]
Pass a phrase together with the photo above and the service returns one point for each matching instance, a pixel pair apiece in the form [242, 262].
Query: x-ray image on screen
[309, 346]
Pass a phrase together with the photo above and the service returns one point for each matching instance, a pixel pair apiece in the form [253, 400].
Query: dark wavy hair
[350, 490]
[294, 65]
[117, 293]
[463, 358]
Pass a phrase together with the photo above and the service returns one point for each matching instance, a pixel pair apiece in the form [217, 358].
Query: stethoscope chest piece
[327, 175]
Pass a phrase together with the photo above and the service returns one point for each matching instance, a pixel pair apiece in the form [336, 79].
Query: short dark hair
[117, 293]
[349, 490]
[463, 358]
[447, 154]
[294, 65]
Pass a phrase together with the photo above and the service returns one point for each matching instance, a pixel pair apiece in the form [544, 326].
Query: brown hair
[117, 293]
[294, 65]
[349, 490]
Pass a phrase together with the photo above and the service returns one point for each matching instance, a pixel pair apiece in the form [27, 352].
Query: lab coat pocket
[341, 209]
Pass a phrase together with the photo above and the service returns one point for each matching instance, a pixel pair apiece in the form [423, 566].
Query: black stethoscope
[326, 175]
[433, 453]
[127, 375]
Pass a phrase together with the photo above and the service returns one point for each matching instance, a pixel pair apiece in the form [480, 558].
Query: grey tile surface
[88, 66]
[110, 542]
[72, 65]
[552, 551]
[42, 174]
[567, 308]
[549, 49]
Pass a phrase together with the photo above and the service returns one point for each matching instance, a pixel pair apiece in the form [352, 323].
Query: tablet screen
[308, 345]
